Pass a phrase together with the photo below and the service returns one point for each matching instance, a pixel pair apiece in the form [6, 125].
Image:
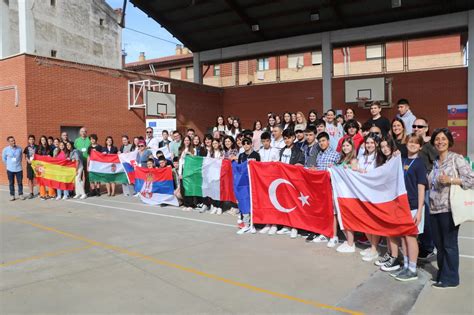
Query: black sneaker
[407, 275]
[310, 237]
[381, 261]
[91, 193]
[396, 273]
[441, 285]
[425, 255]
[391, 265]
[31, 196]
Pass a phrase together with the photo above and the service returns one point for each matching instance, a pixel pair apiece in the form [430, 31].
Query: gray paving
[116, 255]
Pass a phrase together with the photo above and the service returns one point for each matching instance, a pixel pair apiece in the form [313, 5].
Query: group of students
[430, 168]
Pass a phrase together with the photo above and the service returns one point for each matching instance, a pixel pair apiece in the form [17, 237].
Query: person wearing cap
[351, 128]
[300, 139]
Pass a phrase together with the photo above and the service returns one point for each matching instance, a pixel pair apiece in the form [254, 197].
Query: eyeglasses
[418, 126]
[141, 146]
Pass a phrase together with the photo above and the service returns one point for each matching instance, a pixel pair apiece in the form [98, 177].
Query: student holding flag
[109, 148]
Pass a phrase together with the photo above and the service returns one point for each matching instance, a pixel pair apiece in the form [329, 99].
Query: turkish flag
[292, 196]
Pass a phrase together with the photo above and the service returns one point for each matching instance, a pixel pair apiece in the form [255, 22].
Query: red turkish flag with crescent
[292, 196]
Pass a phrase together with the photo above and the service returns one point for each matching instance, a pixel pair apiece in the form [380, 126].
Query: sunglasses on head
[418, 126]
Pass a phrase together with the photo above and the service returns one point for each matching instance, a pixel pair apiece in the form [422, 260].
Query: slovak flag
[292, 196]
[375, 202]
[129, 163]
[155, 185]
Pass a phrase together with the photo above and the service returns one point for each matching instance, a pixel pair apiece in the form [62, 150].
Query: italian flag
[208, 177]
[106, 168]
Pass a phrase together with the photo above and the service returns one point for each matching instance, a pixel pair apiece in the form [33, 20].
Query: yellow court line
[46, 255]
[186, 269]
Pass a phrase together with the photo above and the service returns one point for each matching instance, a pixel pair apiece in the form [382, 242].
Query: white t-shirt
[269, 155]
[367, 162]
[286, 156]
[278, 144]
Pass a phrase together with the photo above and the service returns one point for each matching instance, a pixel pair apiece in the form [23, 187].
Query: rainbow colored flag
[51, 172]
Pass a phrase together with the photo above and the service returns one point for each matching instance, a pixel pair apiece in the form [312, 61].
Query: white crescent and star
[274, 200]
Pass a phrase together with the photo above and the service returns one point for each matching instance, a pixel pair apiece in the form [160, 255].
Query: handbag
[462, 202]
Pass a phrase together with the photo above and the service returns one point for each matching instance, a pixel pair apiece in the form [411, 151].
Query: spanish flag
[51, 172]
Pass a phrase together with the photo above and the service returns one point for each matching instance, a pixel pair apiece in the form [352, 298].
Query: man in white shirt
[277, 142]
[267, 153]
[151, 142]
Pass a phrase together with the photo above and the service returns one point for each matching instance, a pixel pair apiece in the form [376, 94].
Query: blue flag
[240, 173]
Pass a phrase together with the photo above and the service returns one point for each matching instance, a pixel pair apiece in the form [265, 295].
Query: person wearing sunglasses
[151, 142]
[428, 155]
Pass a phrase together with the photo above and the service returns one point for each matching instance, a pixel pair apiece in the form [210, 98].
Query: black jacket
[297, 156]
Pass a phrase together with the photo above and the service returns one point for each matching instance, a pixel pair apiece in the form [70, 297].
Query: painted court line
[157, 214]
[466, 237]
[186, 269]
[45, 255]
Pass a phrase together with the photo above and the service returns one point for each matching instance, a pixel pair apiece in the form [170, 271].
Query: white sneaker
[333, 242]
[365, 251]
[65, 197]
[273, 230]
[137, 194]
[219, 211]
[345, 248]
[265, 229]
[58, 198]
[245, 229]
[83, 197]
[294, 233]
[76, 196]
[320, 239]
[370, 256]
[253, 230]
[213, 210]
[283, 230]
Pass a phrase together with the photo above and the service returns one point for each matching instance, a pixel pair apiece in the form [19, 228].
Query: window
[101, 22]
[373, 52]
[190, 73]
[263, 64]
[175, 74]
[316, 58]
[53, 53]
[52, 3]
[295, 61]
[217, 70]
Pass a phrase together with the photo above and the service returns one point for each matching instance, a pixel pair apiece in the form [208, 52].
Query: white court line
[157, 214]
[466, 237]
[467, 256]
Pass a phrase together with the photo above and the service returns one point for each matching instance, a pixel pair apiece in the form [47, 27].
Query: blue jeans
[445, 236]
[60, 193]
[11, 182]
[426, 239]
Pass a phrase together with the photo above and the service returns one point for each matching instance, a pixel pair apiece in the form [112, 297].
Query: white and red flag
[375, 202]
[292, 196]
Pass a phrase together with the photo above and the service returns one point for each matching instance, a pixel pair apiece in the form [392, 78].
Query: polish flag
[375, 202]
[292, 196]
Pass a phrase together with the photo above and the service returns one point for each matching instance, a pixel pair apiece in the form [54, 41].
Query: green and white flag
[106, 168]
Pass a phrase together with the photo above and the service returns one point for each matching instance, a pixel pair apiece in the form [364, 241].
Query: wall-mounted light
[255, 28]
[396, 3]
[314, 16]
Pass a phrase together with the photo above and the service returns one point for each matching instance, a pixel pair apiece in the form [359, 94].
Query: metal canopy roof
[208, 24]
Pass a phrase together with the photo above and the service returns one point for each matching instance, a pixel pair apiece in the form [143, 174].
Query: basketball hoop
[361, 101]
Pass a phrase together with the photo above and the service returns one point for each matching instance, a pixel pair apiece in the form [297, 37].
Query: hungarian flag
[106, 168]
[375, 202]
[129, 162]
[208, 177]
[156, 185]
[54, 173]
[292, 196]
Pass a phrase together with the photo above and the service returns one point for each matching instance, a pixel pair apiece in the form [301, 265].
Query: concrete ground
[117, 255]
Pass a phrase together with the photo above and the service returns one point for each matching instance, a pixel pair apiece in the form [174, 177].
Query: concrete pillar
[26, 26]
[470, 87]
[326, 51]
[4, 30]
[197, 68]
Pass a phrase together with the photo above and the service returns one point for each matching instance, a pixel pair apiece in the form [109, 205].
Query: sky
[134, 43]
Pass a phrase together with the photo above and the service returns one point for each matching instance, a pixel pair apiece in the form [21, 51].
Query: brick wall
[65, 94]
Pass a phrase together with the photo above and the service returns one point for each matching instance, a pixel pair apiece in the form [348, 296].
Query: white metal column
[326, 51]
[26, 26]
[197, 68]
[470, 87]
[4, 30]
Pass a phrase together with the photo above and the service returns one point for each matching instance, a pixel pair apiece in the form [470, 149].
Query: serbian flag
[51, 172]
[292, 196]
[208, 177]
[106, 168]
[155, 185]
[375, 202]
[128, 161]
